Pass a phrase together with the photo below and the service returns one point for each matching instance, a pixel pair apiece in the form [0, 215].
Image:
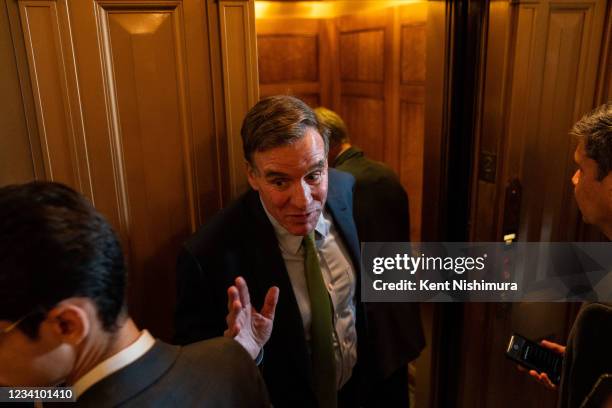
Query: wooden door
[546, 67]
[365, 64]
[135, 105]
[294, 59]
[406, 148]
[379, 88]
[543, 71]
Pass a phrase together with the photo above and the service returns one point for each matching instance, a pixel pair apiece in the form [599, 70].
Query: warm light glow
[139, 23]
[322, 9]
[262, 8]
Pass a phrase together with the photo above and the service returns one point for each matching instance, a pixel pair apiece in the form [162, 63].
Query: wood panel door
[546, 67]
[365, 59]
[558, 46]
[294, 59]
[406, 151]
[544, 59]
[127, 106]
[380, 81]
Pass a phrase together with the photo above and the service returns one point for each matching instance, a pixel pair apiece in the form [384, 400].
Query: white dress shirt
[114, 363]
[338, 274]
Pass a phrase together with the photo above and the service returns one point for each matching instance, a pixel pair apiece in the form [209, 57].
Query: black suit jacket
[380, 206]
[378, 196]
[215, 373]
[240, 241]
[587, 355]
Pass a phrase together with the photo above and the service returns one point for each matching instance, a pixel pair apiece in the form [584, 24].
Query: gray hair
[595, 130]
[278, 121]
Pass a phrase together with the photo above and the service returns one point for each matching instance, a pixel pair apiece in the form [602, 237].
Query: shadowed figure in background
[64, 320]
[381, 211]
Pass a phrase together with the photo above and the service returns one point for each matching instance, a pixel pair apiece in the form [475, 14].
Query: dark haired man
[380, 196]
[587, 355]
[63, 317]
[294, 230]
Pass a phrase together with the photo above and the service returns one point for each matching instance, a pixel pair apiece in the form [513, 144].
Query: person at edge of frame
[64, 319]
[588, 354]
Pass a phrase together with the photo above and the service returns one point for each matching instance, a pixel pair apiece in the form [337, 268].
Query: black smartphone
[535, 357]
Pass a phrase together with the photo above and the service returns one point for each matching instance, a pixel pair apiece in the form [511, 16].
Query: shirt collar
[347, 154]
[114, 363]
[292, 243]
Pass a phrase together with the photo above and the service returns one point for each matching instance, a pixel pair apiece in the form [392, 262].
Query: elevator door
[545, 68]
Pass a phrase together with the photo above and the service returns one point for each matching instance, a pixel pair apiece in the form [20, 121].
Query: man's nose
[302, 196]
[576, 177]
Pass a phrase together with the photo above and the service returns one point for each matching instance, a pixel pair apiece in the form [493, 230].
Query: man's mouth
[303, 217]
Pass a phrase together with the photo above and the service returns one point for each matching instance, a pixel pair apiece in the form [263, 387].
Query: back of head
[337, 129]
[277, 121]
[595, 131]
[53, 246]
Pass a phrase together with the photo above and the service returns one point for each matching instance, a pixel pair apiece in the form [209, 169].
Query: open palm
[250, 328]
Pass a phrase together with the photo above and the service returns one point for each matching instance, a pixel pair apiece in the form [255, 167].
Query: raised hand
[248, 327]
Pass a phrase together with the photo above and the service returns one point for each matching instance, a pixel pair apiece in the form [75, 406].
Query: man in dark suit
[588, 354]
[380, 207]
[378, 192]
[294, 229]
[63, 317]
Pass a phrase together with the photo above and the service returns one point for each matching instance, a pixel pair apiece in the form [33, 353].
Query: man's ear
[606, 198]
[251, 172]
[607, 185]
[70, 322]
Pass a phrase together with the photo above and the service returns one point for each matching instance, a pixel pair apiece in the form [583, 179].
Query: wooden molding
[240, 80]
[436, 107]
[604, 81]
[53, 75]
[27, 94]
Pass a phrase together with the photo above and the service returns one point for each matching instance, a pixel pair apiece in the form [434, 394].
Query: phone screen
[535, 357]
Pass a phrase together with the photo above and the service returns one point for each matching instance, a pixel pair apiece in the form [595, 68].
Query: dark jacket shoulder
[365, 170]
[587, 355]
[211, 373]
[223, 228]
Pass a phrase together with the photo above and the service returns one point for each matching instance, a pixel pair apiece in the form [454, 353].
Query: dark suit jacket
[380, 207]
[240, 241]
[214, 373]
[378, 195]
[587, 355]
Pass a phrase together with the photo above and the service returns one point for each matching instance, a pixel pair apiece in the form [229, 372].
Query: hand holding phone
[544, 361]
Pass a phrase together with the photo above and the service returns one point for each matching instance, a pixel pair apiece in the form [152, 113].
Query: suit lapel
[288, 334]
[348, 154]
[343, 219]
[340, 208]
[133, 379]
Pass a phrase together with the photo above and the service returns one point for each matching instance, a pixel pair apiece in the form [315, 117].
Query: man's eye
[279, 182]
[316, 176]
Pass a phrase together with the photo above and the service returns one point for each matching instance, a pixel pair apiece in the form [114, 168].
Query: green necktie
[321, 328]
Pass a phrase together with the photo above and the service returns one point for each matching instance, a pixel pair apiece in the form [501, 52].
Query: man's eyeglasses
[14, 325]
